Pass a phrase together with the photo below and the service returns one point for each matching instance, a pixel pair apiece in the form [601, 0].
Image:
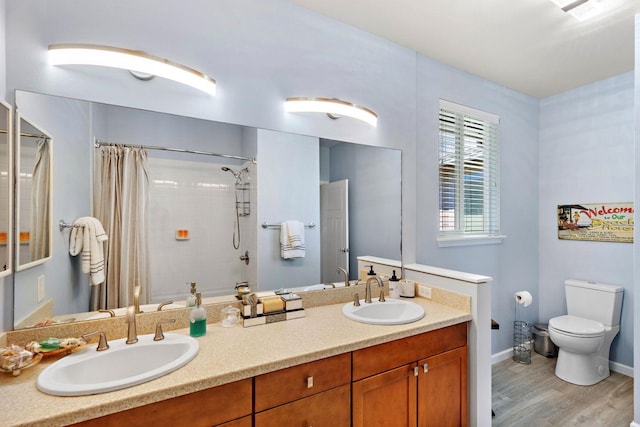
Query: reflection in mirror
[6, 202]
[33, 195]
[205, 212]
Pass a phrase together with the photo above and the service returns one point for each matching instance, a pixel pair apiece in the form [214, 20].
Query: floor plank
[531, 395]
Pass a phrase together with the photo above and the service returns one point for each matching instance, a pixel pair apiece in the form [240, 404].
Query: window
[469, 173]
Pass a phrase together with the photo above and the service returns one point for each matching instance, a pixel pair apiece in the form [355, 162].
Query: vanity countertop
[226, 355]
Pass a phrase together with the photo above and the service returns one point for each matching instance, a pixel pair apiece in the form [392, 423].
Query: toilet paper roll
[523, 297]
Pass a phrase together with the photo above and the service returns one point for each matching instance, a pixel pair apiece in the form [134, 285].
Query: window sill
[449, 241]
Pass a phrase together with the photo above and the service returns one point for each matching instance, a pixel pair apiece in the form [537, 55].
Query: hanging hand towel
[292, 240]
[87, 236]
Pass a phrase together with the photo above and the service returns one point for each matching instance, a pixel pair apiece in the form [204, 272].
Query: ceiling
[531, 46]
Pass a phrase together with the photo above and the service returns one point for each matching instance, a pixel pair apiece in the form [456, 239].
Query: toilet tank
[594, 301]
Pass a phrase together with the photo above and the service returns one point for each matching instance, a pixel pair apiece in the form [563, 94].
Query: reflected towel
[87, 236]
[292, 240]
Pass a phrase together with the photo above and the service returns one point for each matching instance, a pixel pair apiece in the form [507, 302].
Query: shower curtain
[40, 189]
[121, 197]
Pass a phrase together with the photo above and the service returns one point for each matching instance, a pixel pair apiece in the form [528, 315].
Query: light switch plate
[424, 291]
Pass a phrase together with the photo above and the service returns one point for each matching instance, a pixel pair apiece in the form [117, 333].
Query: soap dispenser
[198, 319]
[371, 273]
[394, 286]
[191, 299]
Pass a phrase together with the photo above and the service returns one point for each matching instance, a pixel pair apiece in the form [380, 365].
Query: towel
[87, 236]
[292, 240]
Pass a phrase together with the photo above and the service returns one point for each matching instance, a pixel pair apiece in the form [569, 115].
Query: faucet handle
[356, 300]
[102, 344]
[111, 312]
[159, 336]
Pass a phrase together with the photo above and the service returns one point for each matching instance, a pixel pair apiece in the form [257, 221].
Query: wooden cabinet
[228, 405]
[419, 380]
[416, 381]
[386, 399]
[311, 394]
[442, 389]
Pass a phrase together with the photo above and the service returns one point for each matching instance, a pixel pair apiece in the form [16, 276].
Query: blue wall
[586, 156]
[249, 48]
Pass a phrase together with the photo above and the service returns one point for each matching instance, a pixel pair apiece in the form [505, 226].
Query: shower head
[236, 174]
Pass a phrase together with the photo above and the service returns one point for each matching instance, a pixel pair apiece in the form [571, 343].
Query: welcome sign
[601, 222]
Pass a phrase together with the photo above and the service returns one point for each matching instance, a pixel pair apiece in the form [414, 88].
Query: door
[334, 234]
[443, 375]
[386, 399]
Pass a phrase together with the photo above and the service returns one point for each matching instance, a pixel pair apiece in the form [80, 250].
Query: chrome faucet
[367, 294]
[132, 335]
[346, 276]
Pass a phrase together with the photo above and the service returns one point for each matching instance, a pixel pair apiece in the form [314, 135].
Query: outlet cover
[40, 288]
[424, 291]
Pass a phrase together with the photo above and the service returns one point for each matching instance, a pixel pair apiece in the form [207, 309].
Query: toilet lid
[577, 325]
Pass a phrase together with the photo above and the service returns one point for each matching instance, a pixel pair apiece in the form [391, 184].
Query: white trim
[614, 366]
[634, 424]
[472, 112]
[448, 241]
[503, 355]
[621, 369]
[443, 272]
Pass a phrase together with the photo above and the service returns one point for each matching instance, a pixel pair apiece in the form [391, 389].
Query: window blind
[469, 171]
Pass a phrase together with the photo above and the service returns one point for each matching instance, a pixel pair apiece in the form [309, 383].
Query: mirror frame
[10, 177]
[18, 131]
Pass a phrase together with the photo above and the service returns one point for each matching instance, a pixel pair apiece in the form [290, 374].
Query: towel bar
[64, 225]
[265, 225]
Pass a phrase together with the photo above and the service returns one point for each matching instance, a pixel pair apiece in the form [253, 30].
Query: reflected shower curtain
[121, 198]
[40, 189]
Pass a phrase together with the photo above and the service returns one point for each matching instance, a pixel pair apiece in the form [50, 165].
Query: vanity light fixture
[333, 107]
[133, 60]
[580, 9]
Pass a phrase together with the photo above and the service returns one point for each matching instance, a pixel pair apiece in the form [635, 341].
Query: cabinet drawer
[374, 360]
[331, 409]
[286, 385]
[202, 408]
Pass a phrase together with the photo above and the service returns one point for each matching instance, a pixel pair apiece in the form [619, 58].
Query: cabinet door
[442, 390]
[386, 399]
[329, 409]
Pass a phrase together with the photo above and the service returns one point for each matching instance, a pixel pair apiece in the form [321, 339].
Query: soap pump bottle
[394, 286]
[198, 318]
[191, 299]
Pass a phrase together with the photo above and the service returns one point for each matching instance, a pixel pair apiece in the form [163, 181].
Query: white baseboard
[614, 366]
[503, 355]
[621, 369]
[634, 424]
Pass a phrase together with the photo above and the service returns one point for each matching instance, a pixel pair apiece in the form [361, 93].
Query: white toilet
[585, 334]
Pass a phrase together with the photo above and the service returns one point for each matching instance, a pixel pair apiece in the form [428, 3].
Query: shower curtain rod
[27, 134]
[98, 143]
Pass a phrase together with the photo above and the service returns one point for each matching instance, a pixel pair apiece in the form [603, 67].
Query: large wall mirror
[211, 198]
[6, 186]
[33, 244]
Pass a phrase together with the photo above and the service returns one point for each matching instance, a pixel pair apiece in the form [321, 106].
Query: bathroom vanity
[323, 369]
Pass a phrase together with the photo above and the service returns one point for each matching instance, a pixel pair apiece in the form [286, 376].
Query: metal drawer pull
[415, 371]
[309, 382]
[425, 367]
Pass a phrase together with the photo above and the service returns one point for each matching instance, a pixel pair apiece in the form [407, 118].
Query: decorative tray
[37, 357]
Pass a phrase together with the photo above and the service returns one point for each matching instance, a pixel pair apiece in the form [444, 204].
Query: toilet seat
[577, 326]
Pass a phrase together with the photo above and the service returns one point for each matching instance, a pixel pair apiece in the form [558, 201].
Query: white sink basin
[390, 312]
[121, 366]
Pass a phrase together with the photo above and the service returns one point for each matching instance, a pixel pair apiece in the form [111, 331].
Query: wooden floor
[531, 395]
